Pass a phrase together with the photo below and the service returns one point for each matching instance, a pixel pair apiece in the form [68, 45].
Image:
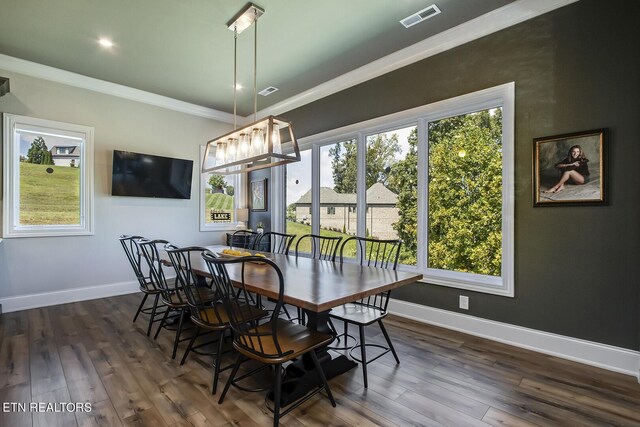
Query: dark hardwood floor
[91, 352]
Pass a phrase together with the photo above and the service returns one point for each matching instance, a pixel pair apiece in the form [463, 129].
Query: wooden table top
[312, 284]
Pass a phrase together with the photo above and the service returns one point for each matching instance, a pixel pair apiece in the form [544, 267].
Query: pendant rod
[255, 67]
[235, 76]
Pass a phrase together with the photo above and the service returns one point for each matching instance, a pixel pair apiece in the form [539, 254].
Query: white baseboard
[25, 302]
[591, 353]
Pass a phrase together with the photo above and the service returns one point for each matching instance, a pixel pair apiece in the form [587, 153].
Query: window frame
[499, 96]
[238, 196]
[11, 178]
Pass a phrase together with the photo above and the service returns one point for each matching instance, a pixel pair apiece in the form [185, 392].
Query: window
[298, 197]
[439, 177]
[392, 178]
[46, 195]
[465, 193]
[218, 200]
[337, 187]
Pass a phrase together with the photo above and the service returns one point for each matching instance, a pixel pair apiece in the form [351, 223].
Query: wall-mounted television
[146, 175]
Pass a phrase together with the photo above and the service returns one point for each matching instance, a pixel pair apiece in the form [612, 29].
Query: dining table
[315, 286]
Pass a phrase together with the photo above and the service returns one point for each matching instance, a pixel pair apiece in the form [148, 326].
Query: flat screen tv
[145, 175]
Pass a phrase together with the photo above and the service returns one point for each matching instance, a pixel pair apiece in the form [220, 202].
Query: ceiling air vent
[420, 16]
[268, 91]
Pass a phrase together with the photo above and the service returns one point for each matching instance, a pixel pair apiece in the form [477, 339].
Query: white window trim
[504, 96]
[11, 179]
[238, 200]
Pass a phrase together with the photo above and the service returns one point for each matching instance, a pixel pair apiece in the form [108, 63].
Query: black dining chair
[206, 314]
[373, 309]
[147, 287]
[274, 242]
[271, 340]
[172, 293]
[320, 247]
[244, 239]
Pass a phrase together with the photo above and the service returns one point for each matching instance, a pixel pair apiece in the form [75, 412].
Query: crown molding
[491, 22]
[45, 72]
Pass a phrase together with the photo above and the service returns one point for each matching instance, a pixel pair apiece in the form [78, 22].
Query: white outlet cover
[464, 302]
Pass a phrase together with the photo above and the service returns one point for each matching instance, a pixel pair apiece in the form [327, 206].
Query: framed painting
[259, 195]
[570, 169]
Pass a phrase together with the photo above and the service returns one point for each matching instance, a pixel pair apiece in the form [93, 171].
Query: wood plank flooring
[91, 352]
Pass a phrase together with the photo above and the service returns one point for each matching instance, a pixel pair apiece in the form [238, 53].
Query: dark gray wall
[576, 68]
[264, 217]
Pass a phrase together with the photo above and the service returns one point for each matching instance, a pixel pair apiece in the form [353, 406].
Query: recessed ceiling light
[105, 42]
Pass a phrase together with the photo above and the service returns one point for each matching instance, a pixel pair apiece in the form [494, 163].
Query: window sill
[482, 288]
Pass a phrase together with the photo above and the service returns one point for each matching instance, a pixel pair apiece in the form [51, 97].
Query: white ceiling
[182, 49]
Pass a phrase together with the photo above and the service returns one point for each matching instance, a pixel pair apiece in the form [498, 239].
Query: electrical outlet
[464, 302]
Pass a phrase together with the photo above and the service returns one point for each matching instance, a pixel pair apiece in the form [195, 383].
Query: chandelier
[262, 144]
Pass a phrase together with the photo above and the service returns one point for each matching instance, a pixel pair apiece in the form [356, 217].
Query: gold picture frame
[570, 169]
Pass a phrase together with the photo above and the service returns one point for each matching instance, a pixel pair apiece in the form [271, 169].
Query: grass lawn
[49, 198]
[301, 229]
[218, 202]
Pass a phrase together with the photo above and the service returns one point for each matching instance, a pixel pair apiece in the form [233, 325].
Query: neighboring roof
[377, 194]
[73, 147]
[74, 153]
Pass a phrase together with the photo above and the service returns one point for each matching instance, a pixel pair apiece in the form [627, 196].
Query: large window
[218, 200]
[48, 178]
[439, 177]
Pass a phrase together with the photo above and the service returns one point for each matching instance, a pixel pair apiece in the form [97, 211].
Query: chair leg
[323, 378]
[386, 336]
[286, 312]
[178, 333]
[166, 313]
[234, 371]
[217, 362]
[277, 386]
[333, 327]
[153, 314]
[346, 331]
[191, 341]
[363, 353]
[140, 307]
